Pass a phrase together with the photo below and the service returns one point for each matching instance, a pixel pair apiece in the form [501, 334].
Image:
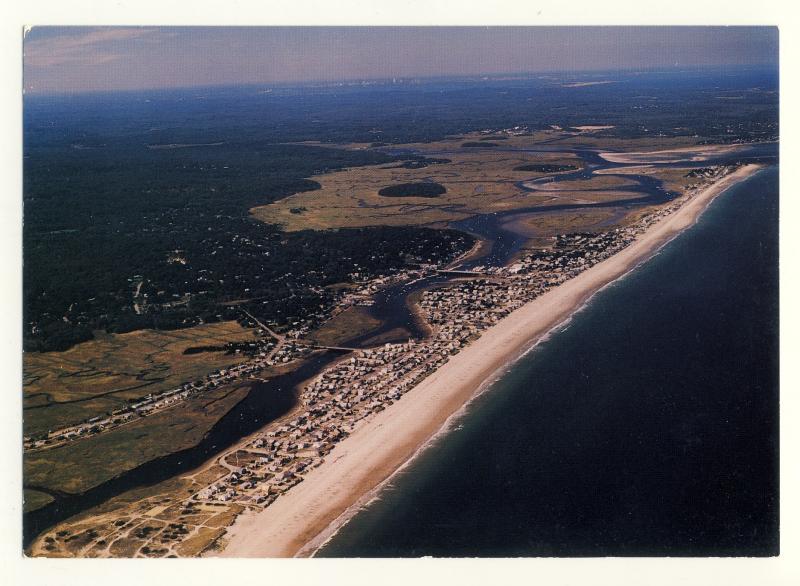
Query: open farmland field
[92, 378]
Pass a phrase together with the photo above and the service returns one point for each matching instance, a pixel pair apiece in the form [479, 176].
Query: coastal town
[349, 392]
[507, 289]
[271, 349]
[346, 394]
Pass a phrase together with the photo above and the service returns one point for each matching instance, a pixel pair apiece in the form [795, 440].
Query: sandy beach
[302, 519]
[699, 153]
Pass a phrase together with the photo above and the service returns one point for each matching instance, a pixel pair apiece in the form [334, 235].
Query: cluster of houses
[513, 131]
[473, 305]
[269, 473]
[335, 402]
[363, 293]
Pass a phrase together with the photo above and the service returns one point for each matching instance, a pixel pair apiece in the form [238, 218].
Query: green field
[95, 377]
[81, 465]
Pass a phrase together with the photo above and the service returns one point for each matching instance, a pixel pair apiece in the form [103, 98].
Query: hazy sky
[74, 59]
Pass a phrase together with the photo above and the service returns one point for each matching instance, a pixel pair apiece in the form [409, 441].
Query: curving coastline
[300, 521]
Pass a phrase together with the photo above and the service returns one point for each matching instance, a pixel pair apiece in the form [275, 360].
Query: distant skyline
[79, 59]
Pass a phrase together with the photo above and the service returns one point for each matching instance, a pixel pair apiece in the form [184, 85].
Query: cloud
[94, 47]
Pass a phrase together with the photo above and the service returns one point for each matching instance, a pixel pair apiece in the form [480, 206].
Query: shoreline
[302, 520]
[701, 153]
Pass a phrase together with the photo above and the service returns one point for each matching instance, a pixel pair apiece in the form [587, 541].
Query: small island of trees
[420, 189]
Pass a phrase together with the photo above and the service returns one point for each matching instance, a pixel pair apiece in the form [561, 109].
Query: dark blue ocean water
[648, 426]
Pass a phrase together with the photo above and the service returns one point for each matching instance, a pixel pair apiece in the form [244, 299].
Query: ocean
[646, 426]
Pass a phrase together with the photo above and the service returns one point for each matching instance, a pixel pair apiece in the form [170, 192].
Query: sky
[81, 59]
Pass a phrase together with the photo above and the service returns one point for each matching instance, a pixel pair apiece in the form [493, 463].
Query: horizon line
[397, 80]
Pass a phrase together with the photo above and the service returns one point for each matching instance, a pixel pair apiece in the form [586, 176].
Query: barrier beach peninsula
[303, 518]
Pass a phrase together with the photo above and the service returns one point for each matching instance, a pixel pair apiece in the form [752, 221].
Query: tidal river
[647, 426]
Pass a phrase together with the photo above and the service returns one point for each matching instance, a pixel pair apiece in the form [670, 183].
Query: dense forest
[136, 204]
[418, 189]
[123, 237]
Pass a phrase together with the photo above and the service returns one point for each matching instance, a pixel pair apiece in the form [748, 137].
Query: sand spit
[698, 154]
